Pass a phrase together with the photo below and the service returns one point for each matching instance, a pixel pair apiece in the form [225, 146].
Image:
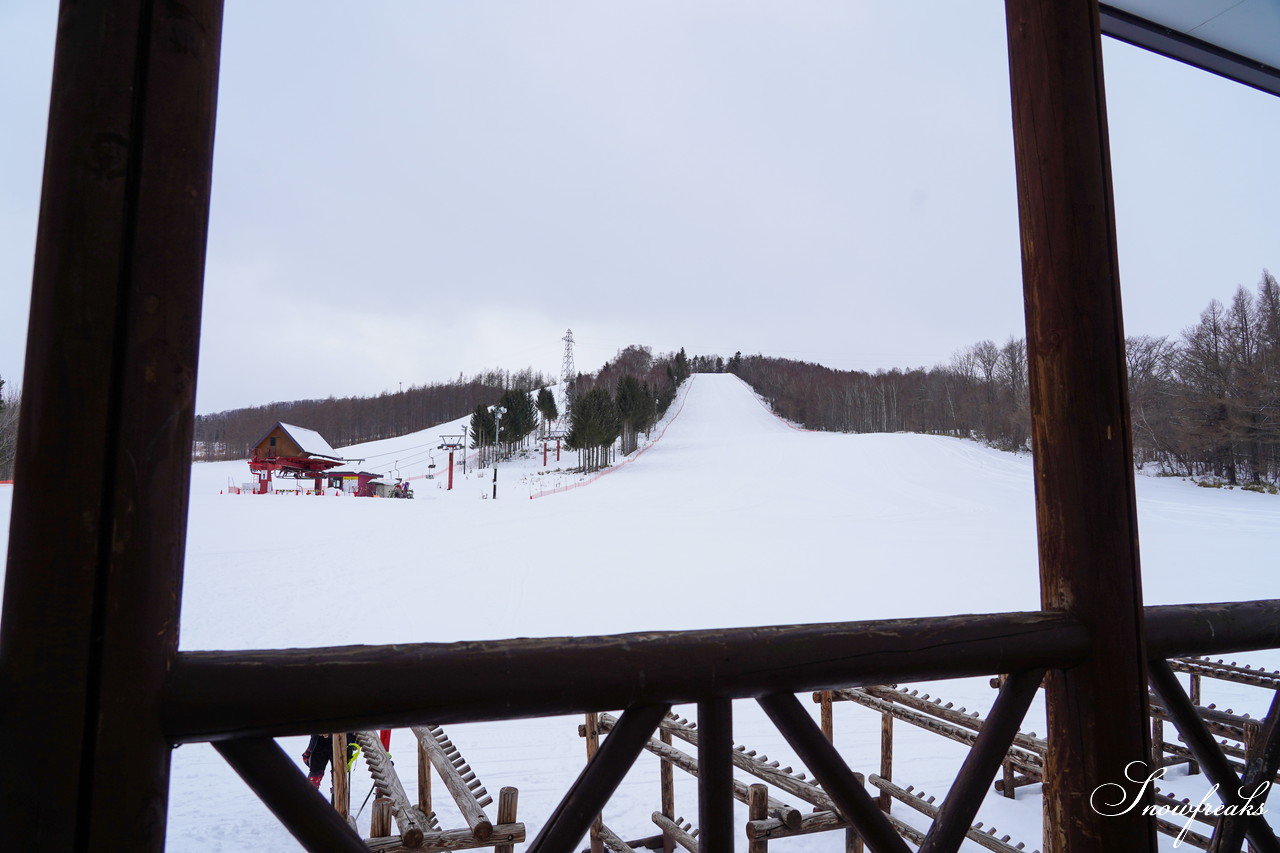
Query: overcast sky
[406, 191]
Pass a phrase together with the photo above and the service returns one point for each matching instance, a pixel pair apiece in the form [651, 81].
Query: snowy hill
[729, 517]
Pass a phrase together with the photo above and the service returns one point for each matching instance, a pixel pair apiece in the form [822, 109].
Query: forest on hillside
[1205, 403]
[621, 399]
[344, 421]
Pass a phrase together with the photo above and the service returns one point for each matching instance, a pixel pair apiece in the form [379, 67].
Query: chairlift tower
[567, 373]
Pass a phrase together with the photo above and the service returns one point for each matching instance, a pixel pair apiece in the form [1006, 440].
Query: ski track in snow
[733, 518]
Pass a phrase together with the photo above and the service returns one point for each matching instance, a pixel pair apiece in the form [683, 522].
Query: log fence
[419, 827]
[925, 805]
[1242, 746]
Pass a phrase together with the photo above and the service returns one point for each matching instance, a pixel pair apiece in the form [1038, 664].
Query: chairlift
[432, 463]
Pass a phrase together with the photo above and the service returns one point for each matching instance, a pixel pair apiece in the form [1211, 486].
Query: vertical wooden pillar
[341, 778]
[1193, 767]
[424, 780]
[715, 776]
[886, 759]
[94, 580]
[757, 809]
[508, 799]
[593, 746]
[667, 784]
[1085, 505]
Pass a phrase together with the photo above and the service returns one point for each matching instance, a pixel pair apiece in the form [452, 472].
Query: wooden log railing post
[757, 809]
[593, 745]
[1081, 444]
[341, 779]
[424, 780]
[715, 776]
[93, 585]
[380, 818]
[507, 800]
[886, 758]
[1193, 766]
[666, 775]
[1157, 743]
[828, 719]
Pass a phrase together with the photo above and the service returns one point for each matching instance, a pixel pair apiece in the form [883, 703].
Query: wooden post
[507, 799]
[1081, 444]
[593, 745]
[424, 778]
[886, 758]
[341, 779]
[94, 582]
[827, 715]
[1193, 767]
[757, 809]
[668, 783]
[1157, 743]
[380, 818]
[715, 776]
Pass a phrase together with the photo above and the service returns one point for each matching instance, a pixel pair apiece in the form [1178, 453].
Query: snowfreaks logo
[1099, 802]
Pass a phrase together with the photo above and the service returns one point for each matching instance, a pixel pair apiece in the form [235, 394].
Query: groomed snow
[731, 518]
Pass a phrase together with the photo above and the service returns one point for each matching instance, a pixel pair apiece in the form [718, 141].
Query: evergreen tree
[648, 409]
[593, 427]
[546, 404]
[520, 418]
[680, 367]
[630, 403]
[482, 430]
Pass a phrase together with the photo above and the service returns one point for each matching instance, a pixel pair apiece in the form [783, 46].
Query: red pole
[544, 454]
[557, 449]
[450, 472]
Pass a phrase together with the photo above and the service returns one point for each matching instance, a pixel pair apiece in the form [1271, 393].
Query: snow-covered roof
[310, 441]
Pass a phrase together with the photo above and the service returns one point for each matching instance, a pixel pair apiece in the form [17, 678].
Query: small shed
[351, 482]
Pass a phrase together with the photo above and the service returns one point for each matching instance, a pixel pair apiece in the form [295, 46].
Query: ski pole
[366, 800]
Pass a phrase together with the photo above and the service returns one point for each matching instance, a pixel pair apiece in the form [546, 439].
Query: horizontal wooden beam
[1182, 630]
[215, 695]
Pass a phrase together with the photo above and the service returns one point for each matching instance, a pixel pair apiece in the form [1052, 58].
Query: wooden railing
[240, 700]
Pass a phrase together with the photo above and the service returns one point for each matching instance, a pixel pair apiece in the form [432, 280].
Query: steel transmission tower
[567, 373]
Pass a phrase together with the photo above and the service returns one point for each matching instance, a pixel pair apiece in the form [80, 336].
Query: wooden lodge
[292, 451]
[89, 639]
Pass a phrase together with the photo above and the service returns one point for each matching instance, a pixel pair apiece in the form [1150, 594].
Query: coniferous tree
[648, 409]
[631, 407]
[482, 431]
[520, 418]
[546, 404]
[593, 427]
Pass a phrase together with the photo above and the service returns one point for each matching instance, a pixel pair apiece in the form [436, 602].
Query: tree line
[10, 405]
[626, 397]
[1205, 403]
[344, 421]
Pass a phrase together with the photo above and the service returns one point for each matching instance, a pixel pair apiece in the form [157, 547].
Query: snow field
[732, 518]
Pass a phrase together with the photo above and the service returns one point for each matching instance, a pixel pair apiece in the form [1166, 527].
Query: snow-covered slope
[731, 517]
